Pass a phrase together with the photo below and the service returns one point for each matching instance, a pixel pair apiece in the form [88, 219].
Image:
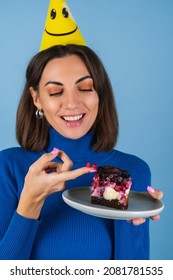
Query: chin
[74, 134]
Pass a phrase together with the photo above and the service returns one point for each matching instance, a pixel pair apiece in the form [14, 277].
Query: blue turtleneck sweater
[63, 232]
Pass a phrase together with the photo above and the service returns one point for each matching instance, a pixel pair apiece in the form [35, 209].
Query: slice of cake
[111, 187]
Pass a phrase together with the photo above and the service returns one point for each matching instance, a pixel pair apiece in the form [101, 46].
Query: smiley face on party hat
[60, 27]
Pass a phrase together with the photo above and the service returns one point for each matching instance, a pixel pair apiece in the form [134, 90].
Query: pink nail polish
[54, 151]
[156, 218]
[93, 170]
[150, 189]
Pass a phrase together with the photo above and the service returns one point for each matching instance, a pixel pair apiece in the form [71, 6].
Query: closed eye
[86, 89]
[56, 93]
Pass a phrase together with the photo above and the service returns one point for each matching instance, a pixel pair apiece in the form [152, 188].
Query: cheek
[93, 103]
[50, 106]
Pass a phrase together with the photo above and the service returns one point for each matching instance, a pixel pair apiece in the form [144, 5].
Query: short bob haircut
[33, 134]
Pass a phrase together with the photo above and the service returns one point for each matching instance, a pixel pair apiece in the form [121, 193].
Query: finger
[157, 194]
[155, 218]
[44, 161]
[52, 167]
[137, 221]
[69, 175]
[67, 163]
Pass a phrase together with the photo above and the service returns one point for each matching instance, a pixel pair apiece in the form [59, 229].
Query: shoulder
[15, 163]
[130, 161]
[11, 150]
[12, 153]
[137, 167]
[18, 154]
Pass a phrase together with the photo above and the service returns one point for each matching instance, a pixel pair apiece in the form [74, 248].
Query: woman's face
[67, 96]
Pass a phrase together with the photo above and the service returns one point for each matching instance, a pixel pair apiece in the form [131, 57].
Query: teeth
[75, 118]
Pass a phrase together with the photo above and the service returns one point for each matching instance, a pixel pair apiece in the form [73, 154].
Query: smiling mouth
[73, 118]
[61, 34]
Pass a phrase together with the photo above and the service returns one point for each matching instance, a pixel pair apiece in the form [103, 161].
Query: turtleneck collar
[79, 150]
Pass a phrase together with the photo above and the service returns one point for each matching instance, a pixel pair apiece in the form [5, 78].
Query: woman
[67, 108]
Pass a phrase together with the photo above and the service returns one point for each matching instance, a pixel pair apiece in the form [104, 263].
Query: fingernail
[93, 170]
[54, 151]
[155, 218]
[150, 189]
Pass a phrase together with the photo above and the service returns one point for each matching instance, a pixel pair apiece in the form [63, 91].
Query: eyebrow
[82, 79]
[60, 84]
[54, 83]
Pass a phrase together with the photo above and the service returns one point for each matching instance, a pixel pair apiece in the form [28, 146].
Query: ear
[35, 97]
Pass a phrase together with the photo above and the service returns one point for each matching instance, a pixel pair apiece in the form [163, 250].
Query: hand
[155, 194]
[44, 178]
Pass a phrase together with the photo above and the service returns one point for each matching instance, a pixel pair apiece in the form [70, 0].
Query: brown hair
[33, 134]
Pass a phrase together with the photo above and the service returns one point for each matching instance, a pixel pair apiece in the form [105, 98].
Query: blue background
[134, 39]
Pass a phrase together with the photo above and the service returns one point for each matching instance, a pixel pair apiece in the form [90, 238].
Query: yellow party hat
[60, 27]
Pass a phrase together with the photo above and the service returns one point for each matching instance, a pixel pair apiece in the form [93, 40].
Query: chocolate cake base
[114, 203]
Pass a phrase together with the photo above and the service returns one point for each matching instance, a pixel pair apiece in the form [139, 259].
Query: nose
[71, 100]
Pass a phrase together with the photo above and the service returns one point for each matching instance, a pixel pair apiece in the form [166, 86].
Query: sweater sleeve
[132, 242]
[17, 233]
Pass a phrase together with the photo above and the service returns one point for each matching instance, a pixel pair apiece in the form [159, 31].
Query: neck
[77, 149]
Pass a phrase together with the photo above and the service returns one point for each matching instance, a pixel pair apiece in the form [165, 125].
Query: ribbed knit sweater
[61, 231]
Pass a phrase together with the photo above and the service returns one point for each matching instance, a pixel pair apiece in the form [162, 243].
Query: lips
[73, 121]
[72, 118]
